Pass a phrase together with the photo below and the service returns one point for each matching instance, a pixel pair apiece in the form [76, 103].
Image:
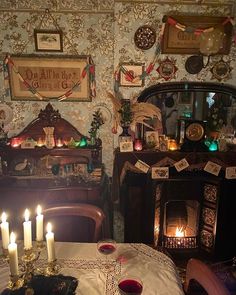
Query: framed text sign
[49, 77]
[182, 33]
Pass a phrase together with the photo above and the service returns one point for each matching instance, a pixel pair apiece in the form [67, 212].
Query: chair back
[202, 273]
[73, 222]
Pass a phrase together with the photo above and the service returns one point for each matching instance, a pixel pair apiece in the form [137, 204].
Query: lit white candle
[39, 224]
[5, 231]
[13, 255]
[50, 243]
[27, 231]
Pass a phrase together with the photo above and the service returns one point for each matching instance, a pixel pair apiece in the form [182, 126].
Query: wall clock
[145, 37]
[167, 68]
[192, 134]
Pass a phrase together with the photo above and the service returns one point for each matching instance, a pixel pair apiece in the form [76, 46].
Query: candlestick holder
[52, 268]
[16, 282]
[28, 260]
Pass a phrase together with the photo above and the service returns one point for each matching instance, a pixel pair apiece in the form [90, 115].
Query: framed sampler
[182, 33]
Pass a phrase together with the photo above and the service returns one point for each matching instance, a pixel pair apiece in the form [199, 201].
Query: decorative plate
[145, 37]
[6, 113]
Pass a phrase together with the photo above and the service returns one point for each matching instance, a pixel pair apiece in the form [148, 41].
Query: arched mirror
[213, 103]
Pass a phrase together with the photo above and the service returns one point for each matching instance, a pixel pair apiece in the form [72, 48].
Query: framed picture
[130, 74]
[126, 144]
[152, 139]
[185, 98]
[49, 76]
[48, 40]
[177, 41]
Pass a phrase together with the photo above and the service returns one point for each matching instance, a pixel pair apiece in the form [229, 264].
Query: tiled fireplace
[190, 212]
[186, 214]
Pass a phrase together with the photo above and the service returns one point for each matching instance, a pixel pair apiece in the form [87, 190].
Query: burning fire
[179, 232]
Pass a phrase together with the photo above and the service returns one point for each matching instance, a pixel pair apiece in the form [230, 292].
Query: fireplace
[192, 211]
[186, 214]
[180, 226]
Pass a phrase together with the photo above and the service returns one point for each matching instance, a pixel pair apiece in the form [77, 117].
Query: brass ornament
[221, 70]
[145, 37]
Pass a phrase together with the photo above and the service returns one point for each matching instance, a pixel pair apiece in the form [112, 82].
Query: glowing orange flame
[179, 232]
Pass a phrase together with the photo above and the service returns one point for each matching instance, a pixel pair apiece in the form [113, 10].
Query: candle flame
[27, 214]
[49, 227]
[4, 217]
[12, 237]
[39, 210]
[179, 232]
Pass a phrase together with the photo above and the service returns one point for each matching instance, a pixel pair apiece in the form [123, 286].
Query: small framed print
[212, 168]
[163, 143]
[230, 172]
[48, 40]
[160, 172]
[131, 74]
[152, 139]
[126, 144]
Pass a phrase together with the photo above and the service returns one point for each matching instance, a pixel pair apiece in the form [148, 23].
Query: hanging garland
[89, 70]
[171, 21]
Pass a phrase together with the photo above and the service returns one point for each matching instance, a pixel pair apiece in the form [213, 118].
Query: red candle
[138, 146]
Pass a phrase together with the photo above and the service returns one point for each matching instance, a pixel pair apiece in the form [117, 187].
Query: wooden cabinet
[29, 177]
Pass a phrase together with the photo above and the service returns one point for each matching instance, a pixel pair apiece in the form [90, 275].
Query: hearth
[186, 214]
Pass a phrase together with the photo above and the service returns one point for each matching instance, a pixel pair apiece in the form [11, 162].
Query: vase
[93, 140]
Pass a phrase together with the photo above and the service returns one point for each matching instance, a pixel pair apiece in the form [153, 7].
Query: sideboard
[32, 175]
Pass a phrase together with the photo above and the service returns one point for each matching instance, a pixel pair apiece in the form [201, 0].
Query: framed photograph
[152, 139]
[176, 41]
[185, 98]
[130, 74]
[160, 172]
[163, 143]
[48, 40]
[126, 144]
[51, 76]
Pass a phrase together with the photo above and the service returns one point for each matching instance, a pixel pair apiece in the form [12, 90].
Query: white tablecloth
[83, 261]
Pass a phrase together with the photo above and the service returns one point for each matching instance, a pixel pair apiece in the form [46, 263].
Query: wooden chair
[202, 273]
[75, 222]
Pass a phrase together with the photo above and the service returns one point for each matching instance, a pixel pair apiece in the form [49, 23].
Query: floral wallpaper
[105, 30]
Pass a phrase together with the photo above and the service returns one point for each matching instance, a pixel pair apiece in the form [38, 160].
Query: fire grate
[180, 242]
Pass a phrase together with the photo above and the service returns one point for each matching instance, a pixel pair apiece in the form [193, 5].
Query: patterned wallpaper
[104, 30]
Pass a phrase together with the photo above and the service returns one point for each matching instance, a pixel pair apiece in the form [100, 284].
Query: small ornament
[167, 68]
[221, 70]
